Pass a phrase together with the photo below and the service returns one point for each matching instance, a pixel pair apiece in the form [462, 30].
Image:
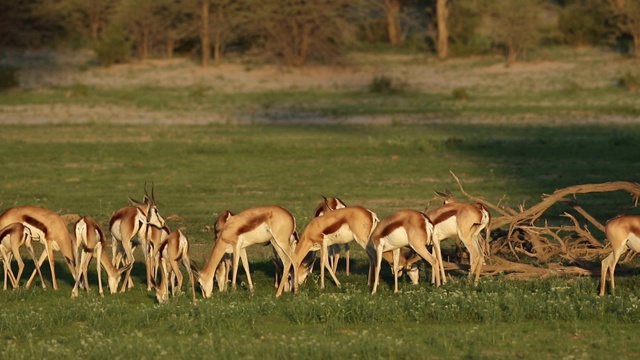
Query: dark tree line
[297, 32]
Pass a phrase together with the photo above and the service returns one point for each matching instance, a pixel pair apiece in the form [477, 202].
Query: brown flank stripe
[332, 228]
[253, 223]
[442, 217]
[35, 223]
[390, 228]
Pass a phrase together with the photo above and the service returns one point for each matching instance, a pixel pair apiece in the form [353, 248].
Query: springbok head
[149, 208]
[447, 196]
[329, 204]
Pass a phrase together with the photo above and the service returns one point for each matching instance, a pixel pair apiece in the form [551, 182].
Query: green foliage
[385, 85]
[460, 94]
[585, 22]
[629, 82]
[464, 21]
[114, 47]
[8, 77]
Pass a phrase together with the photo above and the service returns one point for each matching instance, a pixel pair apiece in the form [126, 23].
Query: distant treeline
[297, 32]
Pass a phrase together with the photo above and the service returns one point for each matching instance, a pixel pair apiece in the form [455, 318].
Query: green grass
[198, 171]
[301, 104]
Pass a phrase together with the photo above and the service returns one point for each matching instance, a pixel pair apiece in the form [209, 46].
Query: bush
[629, 82]
[8, 77]
[385, 85]
[460, 94]
[113, 48]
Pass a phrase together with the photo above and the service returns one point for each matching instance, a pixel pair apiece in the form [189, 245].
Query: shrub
[629, 82]
[385, 85]
[460, 94]
[113, 48]
[8, 77]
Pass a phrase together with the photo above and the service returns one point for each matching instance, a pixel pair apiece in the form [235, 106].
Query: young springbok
[173, 249]
[12, 237]
[90, 243]
[330, 204]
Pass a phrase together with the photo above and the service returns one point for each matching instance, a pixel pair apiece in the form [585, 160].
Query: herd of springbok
[403, 239]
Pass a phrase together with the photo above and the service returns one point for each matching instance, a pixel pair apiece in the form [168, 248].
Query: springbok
[330, 204]
[12, 237]
[334, 227]
[623, 233]
[404, 228]
[258, 225]
[48, 228]
[465, 221]
[128, 223]
[90, 243]
[173, 248]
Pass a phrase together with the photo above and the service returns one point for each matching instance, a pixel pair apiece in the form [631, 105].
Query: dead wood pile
[538, 249]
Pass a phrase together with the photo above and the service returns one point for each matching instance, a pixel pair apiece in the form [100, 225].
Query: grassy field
[505, 145]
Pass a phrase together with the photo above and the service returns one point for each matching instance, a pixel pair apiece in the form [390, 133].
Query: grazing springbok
[173, 248]
[465, 221]
[90, 243]
[408, 261]
[404, 228]
[12, 237]
[339, 226]
[330, 204]
[623, 233]
[129, 226]
[48, 228]
[258, 225]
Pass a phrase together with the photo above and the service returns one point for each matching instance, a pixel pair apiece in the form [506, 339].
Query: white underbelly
[633, 242]
[446, 229]
[396, 239]
[342, 236]
[259, 235]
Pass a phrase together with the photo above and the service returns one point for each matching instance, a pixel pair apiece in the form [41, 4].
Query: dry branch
[573, 242]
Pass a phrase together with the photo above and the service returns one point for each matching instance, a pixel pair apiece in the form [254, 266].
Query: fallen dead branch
[525, 235]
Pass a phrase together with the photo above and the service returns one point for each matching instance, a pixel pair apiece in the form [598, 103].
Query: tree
[442, 16]
[295, 31]
[205, 42]
[584, 22]
[516, 25]
[627, 19]
[93, 15]
[392, 11]
[463, 27]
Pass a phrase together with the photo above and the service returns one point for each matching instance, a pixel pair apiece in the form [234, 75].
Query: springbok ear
[194, 267]
[442, 195]
[136, 202]
[124, 268]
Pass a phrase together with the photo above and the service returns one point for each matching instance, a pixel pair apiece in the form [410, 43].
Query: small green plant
[113, 48]
[8, 77]
[385, 85]
[629, 82]
[460, 94]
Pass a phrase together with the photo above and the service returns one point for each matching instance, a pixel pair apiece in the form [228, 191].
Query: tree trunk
[392, 9]
[442, 14]
[218, 38]
[205, 42]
